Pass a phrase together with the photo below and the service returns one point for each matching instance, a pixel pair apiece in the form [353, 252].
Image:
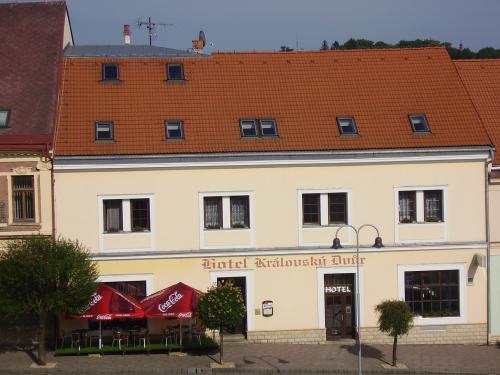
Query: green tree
[324, 45]
[335, 45]
[42, 277]
[395, 319]
[221, 308]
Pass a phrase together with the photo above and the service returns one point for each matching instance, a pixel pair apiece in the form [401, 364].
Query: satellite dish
[201, 37]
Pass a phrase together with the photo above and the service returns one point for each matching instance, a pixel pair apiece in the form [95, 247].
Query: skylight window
[110, 72]
[258, 128]
[175, 72]
[347, 126]
[4, 118]
[173, 129]
[419, 124]
[248, 128]
[268, 128]
[103, 131]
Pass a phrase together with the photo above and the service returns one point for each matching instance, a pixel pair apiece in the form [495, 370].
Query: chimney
[126, 34]
[197, 44]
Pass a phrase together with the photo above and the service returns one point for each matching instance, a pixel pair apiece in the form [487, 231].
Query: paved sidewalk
[452, 359]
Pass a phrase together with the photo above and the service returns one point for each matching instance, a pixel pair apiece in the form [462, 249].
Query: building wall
[177, 212]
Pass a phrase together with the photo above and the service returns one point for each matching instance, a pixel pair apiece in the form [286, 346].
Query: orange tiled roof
[482, 80]
[303, 91]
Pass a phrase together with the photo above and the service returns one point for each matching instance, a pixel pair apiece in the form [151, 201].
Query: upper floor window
[23, 192]
[258, 128]
[421, 206]
[238, 212]
[419, 124]
[126, 215]
[103, 131]
[324, 208]
[110, 72]
[173, 129]
[346, 125]
[4, 118]
[175, 72]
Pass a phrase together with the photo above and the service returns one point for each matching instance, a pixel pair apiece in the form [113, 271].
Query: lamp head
[378, 243]
[336, 243]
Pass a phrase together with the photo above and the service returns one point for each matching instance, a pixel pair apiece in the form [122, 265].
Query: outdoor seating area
[175, 305]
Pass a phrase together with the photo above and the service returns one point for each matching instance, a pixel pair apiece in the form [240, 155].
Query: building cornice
[222, 160]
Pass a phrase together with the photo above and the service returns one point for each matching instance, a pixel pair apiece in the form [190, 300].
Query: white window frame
[420, 209]
[226, 217]
[323, 199]
[462, 278]
[127, 230]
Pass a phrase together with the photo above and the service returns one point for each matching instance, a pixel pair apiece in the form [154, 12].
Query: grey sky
[268, 24]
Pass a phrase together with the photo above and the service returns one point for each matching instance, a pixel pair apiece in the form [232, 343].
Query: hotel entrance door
[241, 284]
[339, 306]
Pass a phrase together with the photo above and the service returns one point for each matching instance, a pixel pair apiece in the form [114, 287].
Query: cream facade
[282, 260]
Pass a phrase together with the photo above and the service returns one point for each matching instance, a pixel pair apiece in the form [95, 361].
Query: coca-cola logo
[94, 298]
[186, 315]
[104, 317]
[171, 300]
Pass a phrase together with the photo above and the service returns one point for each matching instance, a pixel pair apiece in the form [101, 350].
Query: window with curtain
[213, 212]
[433, 205]
[407, 207]
[239, 212]
[23, 192]
[113, 215]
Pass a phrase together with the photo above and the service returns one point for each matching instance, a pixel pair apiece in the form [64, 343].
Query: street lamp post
[336, 245]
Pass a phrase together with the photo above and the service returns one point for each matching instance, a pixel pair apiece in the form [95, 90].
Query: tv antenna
[151, 26]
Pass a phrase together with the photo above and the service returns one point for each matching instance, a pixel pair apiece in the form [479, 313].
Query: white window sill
[423, 223]
[421, 321]
[309, 226]
[135, 233]
[225, 229]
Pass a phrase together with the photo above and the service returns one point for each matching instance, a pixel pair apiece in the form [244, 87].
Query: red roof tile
[303, 91]
[31, 36]
[482, 80]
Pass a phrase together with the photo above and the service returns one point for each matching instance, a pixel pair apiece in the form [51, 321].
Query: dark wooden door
[241, 284]
[339, 306]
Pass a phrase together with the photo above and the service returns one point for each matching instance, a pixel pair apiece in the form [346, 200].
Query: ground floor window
[433, 293]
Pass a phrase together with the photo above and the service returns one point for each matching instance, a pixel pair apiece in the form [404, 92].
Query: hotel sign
[279, 262]
[338, 289]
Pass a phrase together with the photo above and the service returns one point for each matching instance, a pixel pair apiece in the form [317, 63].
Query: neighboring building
[242, 166]
[482, 81]
[33, 38]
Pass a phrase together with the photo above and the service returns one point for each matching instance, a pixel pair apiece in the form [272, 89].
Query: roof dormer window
[258, 128]
[103, 131]
[419, 123]
[347, 126]
[110, 72]
[175, 72]
[4, 118]
[173, 129]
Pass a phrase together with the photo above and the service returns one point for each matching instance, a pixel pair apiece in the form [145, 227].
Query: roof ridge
[399, 49]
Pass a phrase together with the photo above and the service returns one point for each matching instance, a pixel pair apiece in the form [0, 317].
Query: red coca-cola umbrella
[177, 301]
[107, 304]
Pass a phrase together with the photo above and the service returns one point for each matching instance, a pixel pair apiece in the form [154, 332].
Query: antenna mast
[151, 26]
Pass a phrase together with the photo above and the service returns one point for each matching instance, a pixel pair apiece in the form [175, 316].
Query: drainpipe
[488, 271]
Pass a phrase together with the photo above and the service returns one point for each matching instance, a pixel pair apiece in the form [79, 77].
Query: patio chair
[65, 336]
[143, 336]
[119, 337]
[169, 334]
[76, 340]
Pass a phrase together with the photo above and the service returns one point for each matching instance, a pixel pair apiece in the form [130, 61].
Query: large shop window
[23, 192]
[421, 206]
[116, 221]
[334, 205]
[433, 293]
[239, 212]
